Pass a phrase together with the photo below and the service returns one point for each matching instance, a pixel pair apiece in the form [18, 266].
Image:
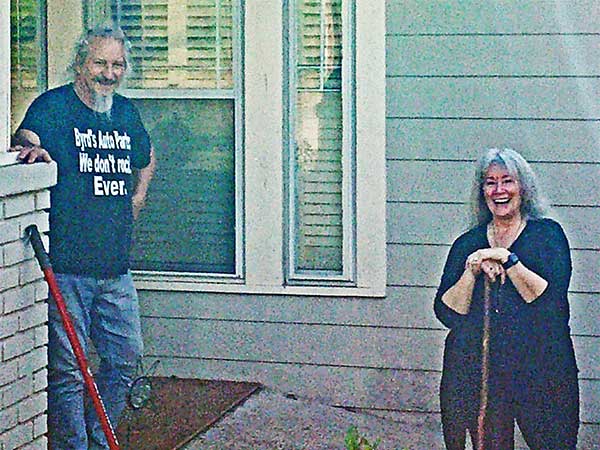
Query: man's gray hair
[105, 30]
[533, 203]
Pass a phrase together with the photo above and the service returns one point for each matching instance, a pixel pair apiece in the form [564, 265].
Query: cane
[44, 261]
[485, 365]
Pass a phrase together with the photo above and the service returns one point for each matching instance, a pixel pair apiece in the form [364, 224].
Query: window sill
[236, 286]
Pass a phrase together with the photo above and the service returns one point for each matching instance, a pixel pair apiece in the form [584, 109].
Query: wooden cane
[485, 365]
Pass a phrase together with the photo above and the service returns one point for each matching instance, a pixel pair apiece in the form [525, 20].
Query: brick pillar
[24, 199]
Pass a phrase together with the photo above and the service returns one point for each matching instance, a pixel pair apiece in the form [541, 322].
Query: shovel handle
[44, 261]
[38, 246]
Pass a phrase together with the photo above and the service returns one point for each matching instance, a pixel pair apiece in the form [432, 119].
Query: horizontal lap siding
[420, 265]
[435, 224]
[402, 308]
[297, 343]
[459, 55]
[463, 76]
[521, 98]
[462, 139]
[424, 181]
[381, 353]
[318, 345]
[488, 17]
[353, 352]
[512, 78]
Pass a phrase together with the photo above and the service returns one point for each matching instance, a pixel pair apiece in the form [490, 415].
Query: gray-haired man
[98, 140]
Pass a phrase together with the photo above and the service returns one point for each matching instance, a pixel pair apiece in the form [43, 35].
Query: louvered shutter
[179, 44]
[210, 55]
[145, 23]
[318, 173]
[25, 46]
[27, 58]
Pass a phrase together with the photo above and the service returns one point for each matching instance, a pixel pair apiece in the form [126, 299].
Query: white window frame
[347, 277]
[263, 236]
[6, 77]
[235, 94]
[5, 157]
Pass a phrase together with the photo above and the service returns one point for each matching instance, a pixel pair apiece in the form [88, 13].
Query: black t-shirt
[91, 213]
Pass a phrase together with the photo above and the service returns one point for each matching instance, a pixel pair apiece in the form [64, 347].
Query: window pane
[188, 224]
[318, 230]
[319, 181]
[179, 43]
[97, 11]
[26, 55]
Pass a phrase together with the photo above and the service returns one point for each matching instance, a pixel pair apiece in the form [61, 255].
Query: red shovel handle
[44, 261]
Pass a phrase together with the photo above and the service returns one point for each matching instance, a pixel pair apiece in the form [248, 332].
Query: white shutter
[145, 23]
[210, 44]
[320, 44]
[178, 44]
[27, 56]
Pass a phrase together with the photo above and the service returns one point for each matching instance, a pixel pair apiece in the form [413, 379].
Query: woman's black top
[527, 339]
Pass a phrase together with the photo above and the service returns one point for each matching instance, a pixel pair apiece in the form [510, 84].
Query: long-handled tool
[44, 261]
[485, 365]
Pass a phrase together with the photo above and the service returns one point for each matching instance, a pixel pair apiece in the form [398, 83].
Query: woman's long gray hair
[533, 203]
[105, 30]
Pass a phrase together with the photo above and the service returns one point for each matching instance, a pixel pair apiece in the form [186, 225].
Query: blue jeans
[105, 312]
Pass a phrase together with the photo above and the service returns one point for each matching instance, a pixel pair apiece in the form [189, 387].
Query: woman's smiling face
[502, 193]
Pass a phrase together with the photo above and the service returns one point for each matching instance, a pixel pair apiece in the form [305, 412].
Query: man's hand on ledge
[31, 153]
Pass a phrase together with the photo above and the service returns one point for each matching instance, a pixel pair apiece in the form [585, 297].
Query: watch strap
[511, 261]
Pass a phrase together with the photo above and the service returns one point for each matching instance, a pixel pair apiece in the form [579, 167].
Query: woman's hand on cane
[498, 254]
[489, 261]
[473, 263]
[493, 269]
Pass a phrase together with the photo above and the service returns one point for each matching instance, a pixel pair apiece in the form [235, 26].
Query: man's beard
[103, 103]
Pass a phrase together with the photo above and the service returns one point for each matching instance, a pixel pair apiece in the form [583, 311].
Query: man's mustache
[105, 81]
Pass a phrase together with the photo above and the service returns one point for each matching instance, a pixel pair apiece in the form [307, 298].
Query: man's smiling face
[102, 71]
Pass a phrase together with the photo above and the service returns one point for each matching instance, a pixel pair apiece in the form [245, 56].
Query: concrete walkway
[269, 420]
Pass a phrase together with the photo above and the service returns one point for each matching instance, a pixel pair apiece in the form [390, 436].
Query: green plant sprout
[354, 441]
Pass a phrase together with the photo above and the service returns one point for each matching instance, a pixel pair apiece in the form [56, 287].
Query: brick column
[24, 199]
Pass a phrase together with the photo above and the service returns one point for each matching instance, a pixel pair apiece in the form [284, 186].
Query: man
[97, 139]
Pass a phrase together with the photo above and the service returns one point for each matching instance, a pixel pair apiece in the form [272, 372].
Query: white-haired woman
[532, 371]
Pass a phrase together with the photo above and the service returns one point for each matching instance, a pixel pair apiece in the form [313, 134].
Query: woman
[532, 371]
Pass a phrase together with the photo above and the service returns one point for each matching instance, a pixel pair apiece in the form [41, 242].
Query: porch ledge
[16, 178]
[8, 158]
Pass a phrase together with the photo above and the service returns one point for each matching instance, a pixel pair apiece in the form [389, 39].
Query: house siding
[468, 75]
[461, 76]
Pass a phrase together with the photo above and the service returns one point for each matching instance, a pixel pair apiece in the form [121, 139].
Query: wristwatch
[511, 261]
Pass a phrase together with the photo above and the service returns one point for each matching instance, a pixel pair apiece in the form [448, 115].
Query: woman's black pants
[546, 410]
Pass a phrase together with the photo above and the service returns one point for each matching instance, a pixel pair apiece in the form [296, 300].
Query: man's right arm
[28, 144]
